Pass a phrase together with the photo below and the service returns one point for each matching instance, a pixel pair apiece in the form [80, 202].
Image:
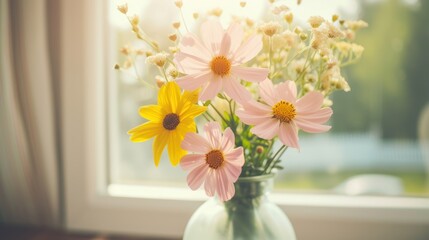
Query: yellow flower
[169, 121]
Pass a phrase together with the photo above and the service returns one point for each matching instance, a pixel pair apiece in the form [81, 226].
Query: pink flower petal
[191, 161]
[213, 87]
[236, 32]
[250, 74]
[318, 116]
[257, 108]
[224, 188]
[195, 143]
[188, 64]
[214, 134]
[194, 81]
[212, 34]
[267, 92]
[248, 50]
[235, 157]
[250, 118]
[191, 45]
[210, 183]
[228, 140]
[267, 130]
[232, 172]
[236, 91]
[310, 102]
[225, 45]
[197, 176]
[311, 127]
[286, 91]
[289, 135]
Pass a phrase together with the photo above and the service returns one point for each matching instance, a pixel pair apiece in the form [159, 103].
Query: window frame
[89, 206]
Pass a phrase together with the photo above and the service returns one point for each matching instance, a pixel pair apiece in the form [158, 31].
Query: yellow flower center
[171, 121]
[214, 159]
[284, 111]
[220, 65]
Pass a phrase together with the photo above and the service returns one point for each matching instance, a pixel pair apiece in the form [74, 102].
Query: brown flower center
[214, 159]
[171, 121]
[284, 111]
[220, 65]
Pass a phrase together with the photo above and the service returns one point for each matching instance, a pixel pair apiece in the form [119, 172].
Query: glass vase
[248, 215]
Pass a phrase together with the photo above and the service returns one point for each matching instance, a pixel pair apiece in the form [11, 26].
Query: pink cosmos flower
[214, 64]
[283, 114]
[215, 161]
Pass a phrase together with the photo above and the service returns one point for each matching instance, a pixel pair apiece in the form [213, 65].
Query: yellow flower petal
[158, 146]
[193, 111]
[175, 152]
[145, 131]
[153, 113]
[169, 96]
[190, 96]
[186, 126]
[163, 98]
[188, 99]
[170, 100]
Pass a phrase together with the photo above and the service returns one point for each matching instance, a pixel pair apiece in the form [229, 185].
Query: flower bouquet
[257, 85]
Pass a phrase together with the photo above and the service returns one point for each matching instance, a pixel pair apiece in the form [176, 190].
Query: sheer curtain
[29, 130]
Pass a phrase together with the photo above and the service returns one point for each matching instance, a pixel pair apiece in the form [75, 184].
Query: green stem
[271, 55]
[164, 73]
[217, 111]
[138, 75]
[183, 19]
[210, 116]
[273, 158]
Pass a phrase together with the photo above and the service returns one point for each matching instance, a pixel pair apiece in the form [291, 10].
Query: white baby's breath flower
[158, 59]
[291, 38]
[356, 25]
[289, 17]
[311, 78]
[333, 31]
[327, 102]
[178, 3]
[343, 47]
[280, 9]
[308, 87]
[315, 21]
[350, 34]
[299, 65]
[127, 64]
[270, 28]
[173, 50]
[126, 50]
[123, 8]
[172, 37]
[172, 72]
[249, 22]
[357, 49]
[320, 38]
[216, 12]
[135, 20]
[159, 81]
[343, 85]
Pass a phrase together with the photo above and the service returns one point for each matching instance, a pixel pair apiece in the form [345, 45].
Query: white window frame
[142, 210]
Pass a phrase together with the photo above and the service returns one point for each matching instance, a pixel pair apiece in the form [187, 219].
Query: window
[373, 147]
[111, 184]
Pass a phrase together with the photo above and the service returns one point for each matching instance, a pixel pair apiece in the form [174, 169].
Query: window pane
[376, 145]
